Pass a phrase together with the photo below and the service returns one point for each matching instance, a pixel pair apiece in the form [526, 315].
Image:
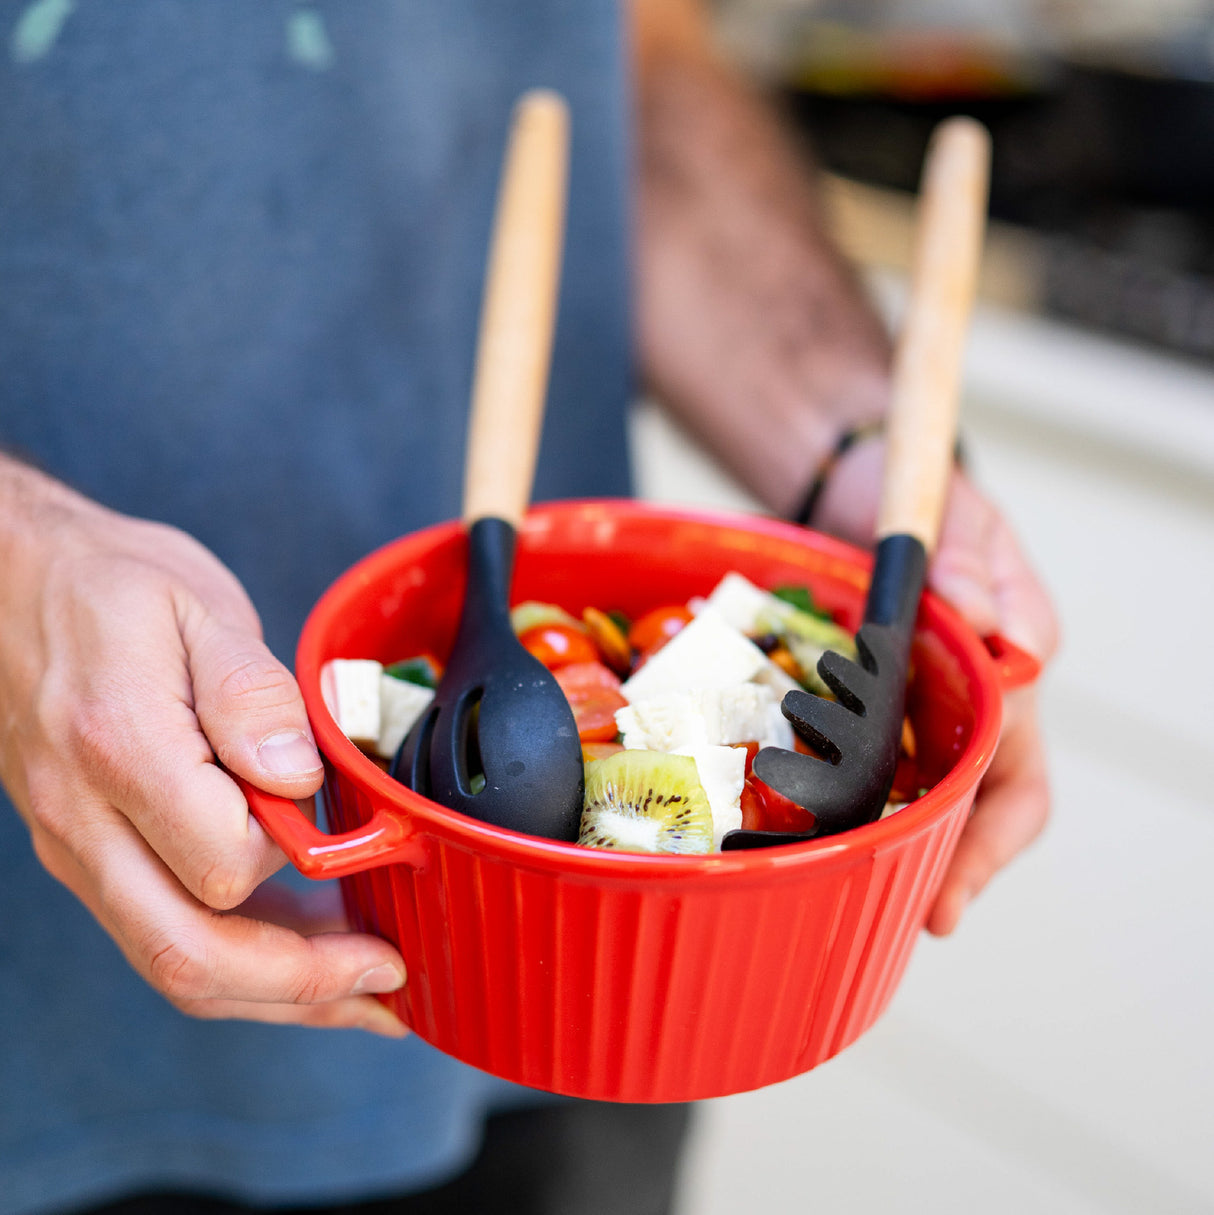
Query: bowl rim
[430, 818]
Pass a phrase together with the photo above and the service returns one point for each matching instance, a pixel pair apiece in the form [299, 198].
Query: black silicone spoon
[859, 733]
[499, 741]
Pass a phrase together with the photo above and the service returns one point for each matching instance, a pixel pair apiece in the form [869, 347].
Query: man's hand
[758, 336]
[978, 568]
[130, 661]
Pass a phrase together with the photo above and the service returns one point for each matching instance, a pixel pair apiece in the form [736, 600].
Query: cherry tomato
[763, 809]
[557, 645]
[593, 692]
[653, 630]
[578, 676]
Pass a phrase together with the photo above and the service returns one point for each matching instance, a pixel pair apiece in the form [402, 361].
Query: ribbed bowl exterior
[646, 991]
[643, 979]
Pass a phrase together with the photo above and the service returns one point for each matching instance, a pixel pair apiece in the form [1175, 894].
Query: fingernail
[288, 753]
[383, 1021]
[379, 979]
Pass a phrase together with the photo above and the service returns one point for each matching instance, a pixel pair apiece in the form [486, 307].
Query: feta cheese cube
[713, 717]
[401, 703]
[739, 601]
[706, 653]
[722, 772]
[350, 687]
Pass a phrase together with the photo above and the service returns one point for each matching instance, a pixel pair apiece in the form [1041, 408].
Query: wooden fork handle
[922, 422]
[518, 312]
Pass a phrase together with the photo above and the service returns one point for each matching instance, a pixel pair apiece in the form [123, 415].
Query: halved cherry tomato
[578, 676]
[593, 692]
[763, 809]
[657, 627]
[594, 711]
[557, 645]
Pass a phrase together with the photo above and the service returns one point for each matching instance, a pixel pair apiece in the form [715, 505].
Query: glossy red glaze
[1016, 667]
[615, 976]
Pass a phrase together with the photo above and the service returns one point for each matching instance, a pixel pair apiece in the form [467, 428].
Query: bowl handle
[384, 840]
[1014, 666]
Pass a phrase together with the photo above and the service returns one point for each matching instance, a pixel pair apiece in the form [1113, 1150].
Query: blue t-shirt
[241, 256]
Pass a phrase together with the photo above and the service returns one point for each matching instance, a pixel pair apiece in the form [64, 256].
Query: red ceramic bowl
[628, 977]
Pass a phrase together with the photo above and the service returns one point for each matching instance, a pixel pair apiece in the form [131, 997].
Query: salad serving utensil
[499, 741]
[857, 736]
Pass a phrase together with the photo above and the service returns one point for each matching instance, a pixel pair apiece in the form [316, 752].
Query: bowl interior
[405, 599]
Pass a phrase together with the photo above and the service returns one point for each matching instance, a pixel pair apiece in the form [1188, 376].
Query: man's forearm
[31, 503]
[752, 328]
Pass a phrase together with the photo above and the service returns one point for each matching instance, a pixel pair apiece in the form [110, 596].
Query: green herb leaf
[800, 598]
[419, 670]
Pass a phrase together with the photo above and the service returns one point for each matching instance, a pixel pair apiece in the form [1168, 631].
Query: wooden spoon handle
[518, 312]
[927, 363]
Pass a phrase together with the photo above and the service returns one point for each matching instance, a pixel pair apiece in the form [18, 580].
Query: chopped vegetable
[421, 669]
[611, 642]
[782, 656]
[652, 630]
[802, 599]
[593, 692]
[532, 612]
[599, 750]
[557, 645]
[707, 653]
[702, 685]
[763, 809]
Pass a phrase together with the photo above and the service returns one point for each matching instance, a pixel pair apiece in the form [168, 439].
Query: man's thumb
[250, 709]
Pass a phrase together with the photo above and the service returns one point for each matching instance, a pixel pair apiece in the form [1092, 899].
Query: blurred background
[1054, 1054]
[1103, 117]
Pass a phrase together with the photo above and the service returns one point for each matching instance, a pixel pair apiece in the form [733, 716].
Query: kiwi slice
[645, 801]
